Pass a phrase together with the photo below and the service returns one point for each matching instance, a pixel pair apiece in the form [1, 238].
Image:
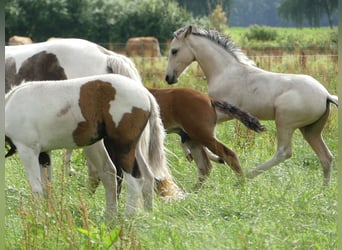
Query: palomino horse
[71, 58]
[79, 112]
[293, 101]
[193, 116]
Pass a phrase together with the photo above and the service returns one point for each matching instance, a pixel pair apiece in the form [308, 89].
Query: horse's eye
[174, 51]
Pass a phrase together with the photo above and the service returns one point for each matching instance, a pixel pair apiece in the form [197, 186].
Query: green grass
[285, 208]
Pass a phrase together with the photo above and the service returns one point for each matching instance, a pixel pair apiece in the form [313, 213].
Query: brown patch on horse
[39, 67]
[120, 139]
[46, 67]
[95, 98]
[10, 74]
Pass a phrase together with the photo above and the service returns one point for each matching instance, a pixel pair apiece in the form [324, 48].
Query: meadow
[284, 208]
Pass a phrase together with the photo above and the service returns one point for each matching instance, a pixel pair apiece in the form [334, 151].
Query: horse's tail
[247, 119]
[156, 153]
[120, 64]
[333, 99]
[156, 150]
[13, 148]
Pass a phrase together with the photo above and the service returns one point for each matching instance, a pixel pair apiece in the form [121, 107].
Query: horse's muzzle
[171, 79]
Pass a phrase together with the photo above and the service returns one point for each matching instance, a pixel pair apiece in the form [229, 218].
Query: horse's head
[180, 55]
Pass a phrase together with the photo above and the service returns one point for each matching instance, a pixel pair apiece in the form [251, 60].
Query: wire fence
[323, 67]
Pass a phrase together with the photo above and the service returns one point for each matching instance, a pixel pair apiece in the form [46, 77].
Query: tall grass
[285, 208]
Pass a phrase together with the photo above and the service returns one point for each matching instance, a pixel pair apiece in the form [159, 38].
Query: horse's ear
[188, 31]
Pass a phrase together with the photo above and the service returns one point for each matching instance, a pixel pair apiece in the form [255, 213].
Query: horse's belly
[43, 132]
[57, 140]
[262, 112]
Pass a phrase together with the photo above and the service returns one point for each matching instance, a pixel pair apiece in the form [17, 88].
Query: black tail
[12, 149]
[247, 119]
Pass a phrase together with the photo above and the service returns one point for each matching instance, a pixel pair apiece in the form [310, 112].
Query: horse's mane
[120, 64]
[222, 40]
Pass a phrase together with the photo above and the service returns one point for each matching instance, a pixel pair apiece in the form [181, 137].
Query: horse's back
[77, 57]
[56, 109]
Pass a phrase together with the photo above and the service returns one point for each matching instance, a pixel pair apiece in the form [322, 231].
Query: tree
[95, 20]
[218, 19]
[310, 10]
[157, 18]
[205, 7]
[41, 19]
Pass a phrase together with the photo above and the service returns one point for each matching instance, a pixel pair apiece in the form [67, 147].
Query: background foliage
[116, 20]
[99, 20]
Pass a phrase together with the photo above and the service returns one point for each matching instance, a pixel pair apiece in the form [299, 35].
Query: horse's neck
[212, 58]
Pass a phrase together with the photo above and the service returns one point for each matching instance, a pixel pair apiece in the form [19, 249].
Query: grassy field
[285, 208]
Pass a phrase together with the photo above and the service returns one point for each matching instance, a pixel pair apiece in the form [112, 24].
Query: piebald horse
[291, 100]
[72, 58]
[43, 116]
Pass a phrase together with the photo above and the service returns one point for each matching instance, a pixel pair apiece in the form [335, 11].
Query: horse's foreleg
[93, 177]
[202, 161]
[31, 163]
[69, 170]
[284, 151]
[186, 152]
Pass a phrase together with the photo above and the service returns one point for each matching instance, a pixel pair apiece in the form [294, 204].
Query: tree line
[117, 20]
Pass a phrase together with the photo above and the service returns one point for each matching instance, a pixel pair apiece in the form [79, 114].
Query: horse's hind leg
[148, 178]
[134, 190]
[214, 157]
[313, 135]
[228, 155]
[98, 157]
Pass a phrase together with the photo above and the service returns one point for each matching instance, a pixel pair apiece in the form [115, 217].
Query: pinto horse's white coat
[72, 58]
[293, 101]
[42, 116]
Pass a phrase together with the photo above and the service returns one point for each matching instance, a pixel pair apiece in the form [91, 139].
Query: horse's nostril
[167, 78]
